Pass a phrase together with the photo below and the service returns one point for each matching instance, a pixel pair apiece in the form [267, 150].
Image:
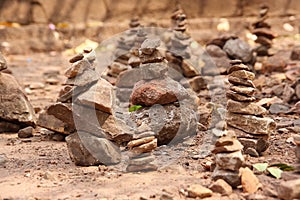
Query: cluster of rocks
[140, 150]
[263, 32]
[244, 115]
[16, 112]
[224, 49]
[228, 159]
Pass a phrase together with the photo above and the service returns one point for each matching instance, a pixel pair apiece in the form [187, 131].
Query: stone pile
[140, 151]
[263, 32]
[162, 98]
[84, 113]
[228, 159]
[244, 115]
[16, 112]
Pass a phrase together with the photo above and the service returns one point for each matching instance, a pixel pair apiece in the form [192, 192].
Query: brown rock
[259, 144]
[289, 190]
[239, 81]
[264, 41]
[245, 108]
[274, 63]
[140, 141]
[52, 123]
[198, 191]
[77, 68]
[251, 124]
[288, 93]
[239, 97]
[221, 187]
[188, 69]
[161, 91]
[145, 148]
[26, 132]
[249, 91]
[197, 83]
[235, 146]
[141, 168]
[142, 160]
[237, 67]
[14, 105]
[250, 182]
[243, 74]
[99, 96]
[88, 77]
[76, 58]
[230, 161]
[264, 32]
[238, 49]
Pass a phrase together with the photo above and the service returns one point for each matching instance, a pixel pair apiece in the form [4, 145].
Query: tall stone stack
[243, 114]
[16, 112]
[140, 150]
[228, 159]
[263, 32]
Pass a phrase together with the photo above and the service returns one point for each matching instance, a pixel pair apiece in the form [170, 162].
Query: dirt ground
[40, 168]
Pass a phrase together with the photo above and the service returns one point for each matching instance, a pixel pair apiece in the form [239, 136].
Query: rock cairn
[140, 150]
[16, 112]
[263, 32]
[244, 116]
[228, 159]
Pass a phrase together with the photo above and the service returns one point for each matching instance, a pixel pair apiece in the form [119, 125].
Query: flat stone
[264, 32]
[250, 182]
[77, 68]
[160, 91]
[251, 124]
[252, 152]
[266, 42]
[231, 177]
[237, 67]
[76, 58]
[249, 108]
[240, 81]
[88, 77]
[230, 161]
[220, 41]
[238, 49]
[3, 64]
[140, 141]
[14, 105]
[259, 144]
[142, 160]
[145, 148]
[239, 97]
[235, 146]
[26, 132]
[243, 74]
[221, 187]
[215, 51]
[88, 150]
[155, 57]
[141, 168]
[289, 190]
[278, 108]
[99, 96]
[198, 191]
[249, 91]
[52, 123]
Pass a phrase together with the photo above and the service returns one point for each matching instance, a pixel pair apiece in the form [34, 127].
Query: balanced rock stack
[163, 99]
[16, 112]
[244, 116]
[140, 150]
[263, 32]
[228, 159]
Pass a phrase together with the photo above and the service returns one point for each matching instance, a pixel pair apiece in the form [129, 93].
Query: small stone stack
[263, 32]
[140, 151]
[244, 116]
[228, 159]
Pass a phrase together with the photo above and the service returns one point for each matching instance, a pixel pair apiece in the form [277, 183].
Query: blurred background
[56, 25]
